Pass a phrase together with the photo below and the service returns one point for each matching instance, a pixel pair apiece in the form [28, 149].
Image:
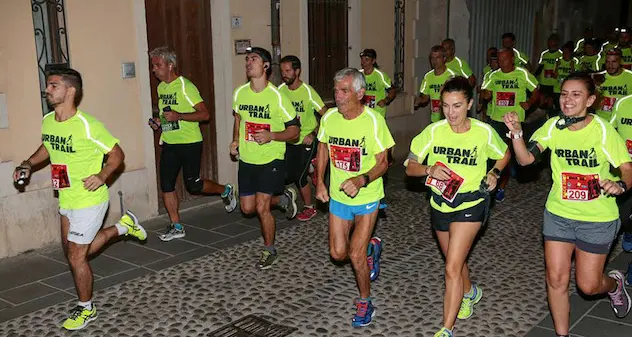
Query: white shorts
[85, 222]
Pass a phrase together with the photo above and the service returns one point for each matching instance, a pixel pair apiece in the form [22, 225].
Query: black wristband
[367, 180]
[496, 172]
[623, 185]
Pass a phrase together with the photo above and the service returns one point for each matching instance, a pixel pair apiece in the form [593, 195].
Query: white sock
[122, 230]
[87, 305]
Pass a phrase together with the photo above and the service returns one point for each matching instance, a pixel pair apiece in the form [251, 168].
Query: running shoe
[619, 299]
[80, 317]
[173, 232]
[291, 209]
[500, 195]
[627, 242]
[307, 214]
[267, 259]
[444, 332]
[130, 221]
[364, 314]
[230, 198]
[467, 304]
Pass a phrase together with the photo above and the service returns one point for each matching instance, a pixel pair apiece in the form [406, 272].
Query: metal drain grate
[252, 326]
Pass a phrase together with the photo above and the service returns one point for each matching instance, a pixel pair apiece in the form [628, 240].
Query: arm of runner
[472, 80]
[523, 156]
[610, 187]
[235, 143]
[486, 94]
[557, 64]
[352, 186]
[39, 156]
[290, 133]
[201, 114]
[421, 100]
[390, 96]
[535, 97]
[538, 70]
[114, 160]
[499, 166]
[321, 165]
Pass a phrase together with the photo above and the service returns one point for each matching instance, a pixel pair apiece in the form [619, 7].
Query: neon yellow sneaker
[444, 332]
[134, 229]
[467, 304]
[80, 317]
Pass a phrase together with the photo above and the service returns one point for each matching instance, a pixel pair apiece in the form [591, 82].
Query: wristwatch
[367, 180]
[623, 185]
[495, 172]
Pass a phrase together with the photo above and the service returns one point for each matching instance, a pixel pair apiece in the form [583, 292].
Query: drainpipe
[275, 10]
[556, 6]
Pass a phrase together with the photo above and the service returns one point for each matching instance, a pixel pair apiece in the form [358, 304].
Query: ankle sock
[271, 249]
[122, 230]
[87, 305]
[178, 226]
[283, 200]
[470, 294]
[226, 191]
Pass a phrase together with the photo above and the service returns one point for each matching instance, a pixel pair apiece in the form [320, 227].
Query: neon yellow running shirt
[377, 84]
[76, 148]
[353, 145]
[431, 86]
[305, 101]
[579, 160]
[180, 95]
[465, 154]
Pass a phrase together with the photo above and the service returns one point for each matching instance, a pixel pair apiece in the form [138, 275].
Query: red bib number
[627, 66]
[369, 101]
[580, 187]
[59, 176]
[436, 105]
[505, 98]
[628, 144]
[346, 158]
[608, 103]
[549, 73]
[251, 130]
[448, 188]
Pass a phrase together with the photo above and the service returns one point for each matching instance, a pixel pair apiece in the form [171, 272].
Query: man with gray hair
[181, 111]
[356, 139]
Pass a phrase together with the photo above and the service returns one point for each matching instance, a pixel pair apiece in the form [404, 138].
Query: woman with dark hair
[457, 149]
[581, 215]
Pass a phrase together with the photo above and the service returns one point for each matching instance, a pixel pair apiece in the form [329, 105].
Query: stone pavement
[194, 286]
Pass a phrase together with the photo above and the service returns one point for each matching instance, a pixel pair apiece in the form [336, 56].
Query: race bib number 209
[580, 187]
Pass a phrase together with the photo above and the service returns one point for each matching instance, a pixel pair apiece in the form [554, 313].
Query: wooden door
[185, 26]
[328, 43]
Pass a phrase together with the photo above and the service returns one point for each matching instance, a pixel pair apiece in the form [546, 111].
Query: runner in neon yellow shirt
[520, 58]
[507, 88]
[622, 121]
[579, 45]
[354, 142]
[626, 48]
[379, 91]
[265, 120]
[564, 66]
[581, 216]
[457, 65]
[591, 61]
[430, 89]
[181, 110]
[546, 72]
[611, 42]
[457, 150]
[615, 85]
[299, 155]
[76, 144]
[492, 64]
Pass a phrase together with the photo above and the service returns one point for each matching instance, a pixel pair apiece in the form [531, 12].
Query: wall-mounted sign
[241, 46]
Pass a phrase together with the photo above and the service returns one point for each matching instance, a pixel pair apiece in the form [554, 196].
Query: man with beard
[299, 154]
[264, 121]
[76, 144]
[624, 46]
[615, 85]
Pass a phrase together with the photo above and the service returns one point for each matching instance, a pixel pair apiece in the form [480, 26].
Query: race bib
[627, 66]
[505, 98]
[346, 158]
[436, 105]
[251, 130]
[167, 126]
[59, 176]
[580, 187]
[608, 103]
[448, 188]
[549, 73]
[628, 144]
[369, 101]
